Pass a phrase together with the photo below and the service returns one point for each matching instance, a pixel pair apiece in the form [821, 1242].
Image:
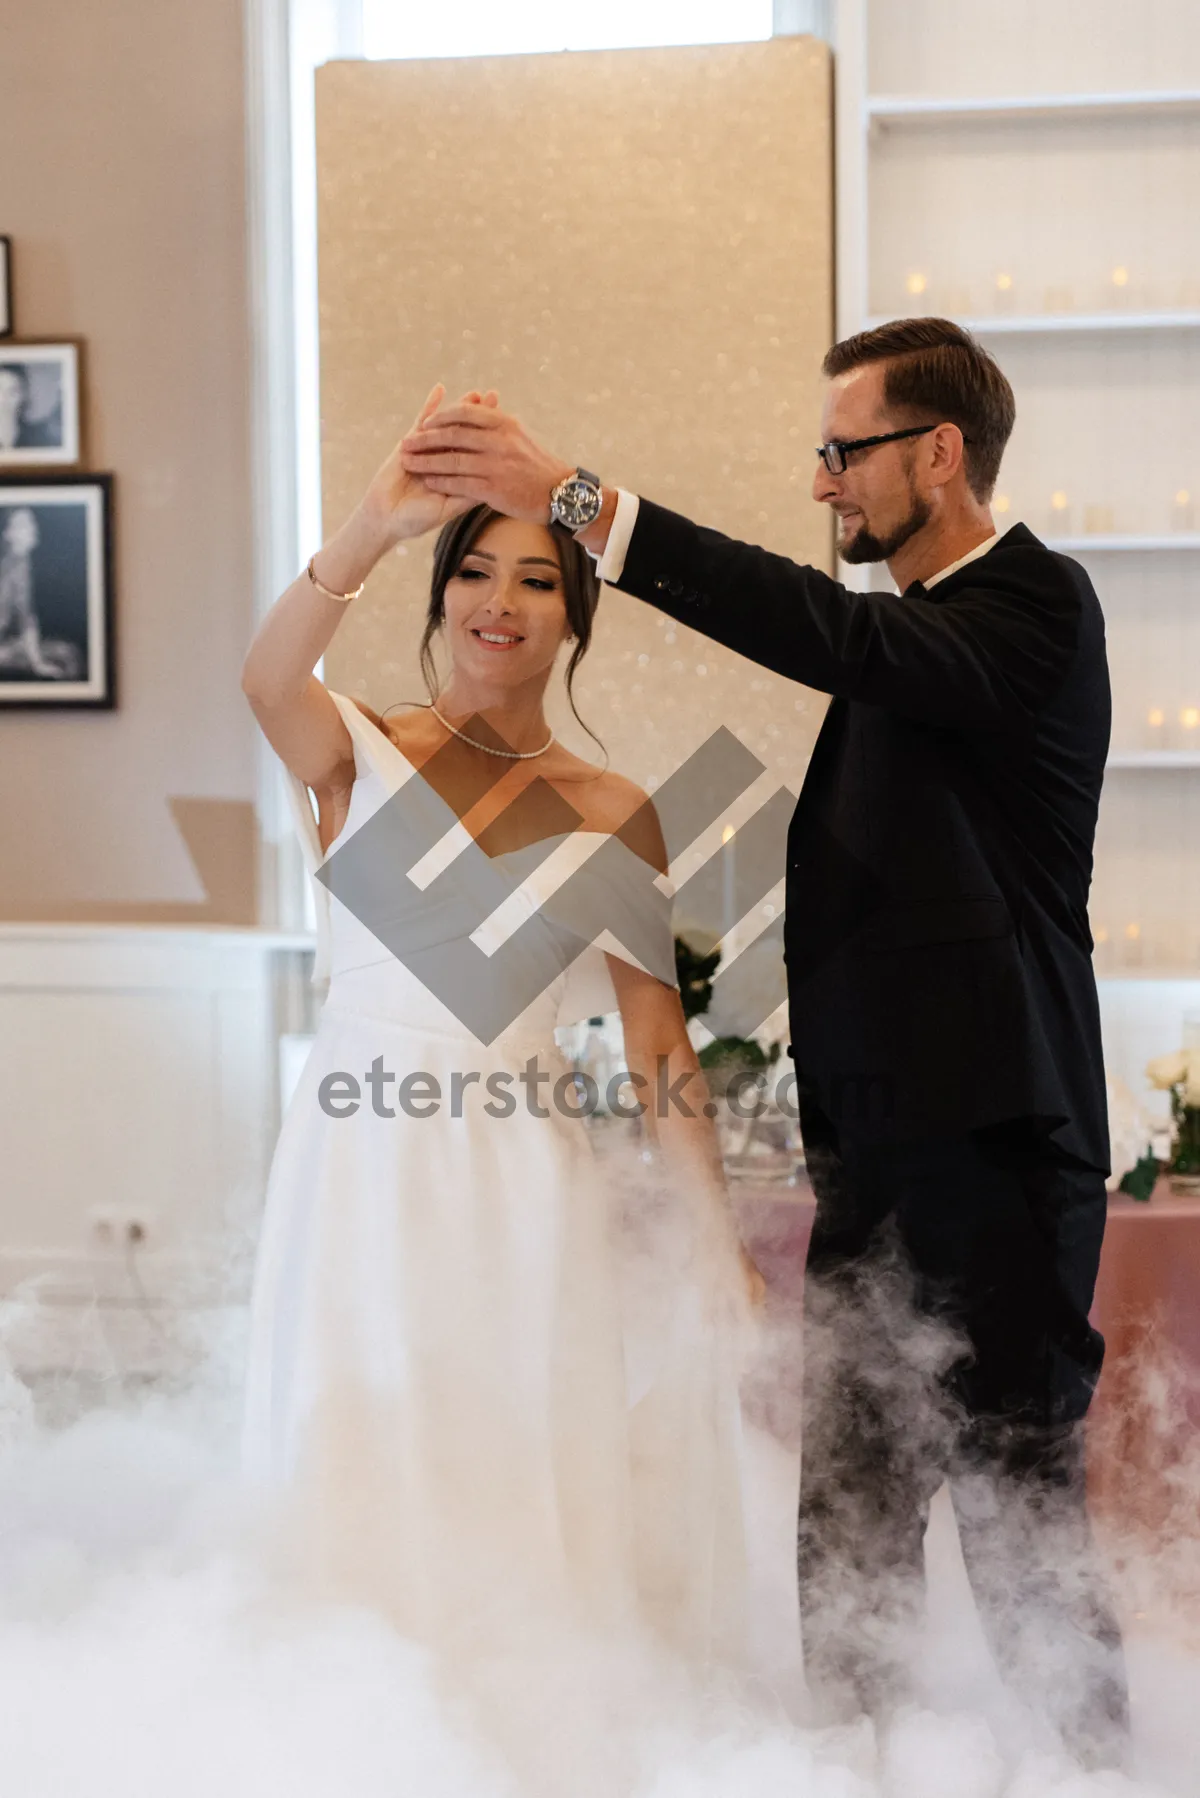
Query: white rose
[1129, 1132]
[1168, 1070]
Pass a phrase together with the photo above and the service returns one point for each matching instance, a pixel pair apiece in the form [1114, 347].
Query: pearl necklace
[513, 755]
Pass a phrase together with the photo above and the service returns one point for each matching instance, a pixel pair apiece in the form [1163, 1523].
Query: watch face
[576, 504]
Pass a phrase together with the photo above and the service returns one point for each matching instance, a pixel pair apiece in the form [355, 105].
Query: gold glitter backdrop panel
[635, 247]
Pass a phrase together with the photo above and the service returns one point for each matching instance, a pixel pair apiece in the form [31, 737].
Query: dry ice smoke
[143, 1649]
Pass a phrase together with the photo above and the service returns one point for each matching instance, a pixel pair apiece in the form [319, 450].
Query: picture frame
[40, 404]
[6, 305]
[57, 637]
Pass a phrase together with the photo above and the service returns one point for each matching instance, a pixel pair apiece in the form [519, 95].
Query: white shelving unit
[1052, 224]
[887, 109]
[1101, 544]
[1155, 758]
[1039, 323]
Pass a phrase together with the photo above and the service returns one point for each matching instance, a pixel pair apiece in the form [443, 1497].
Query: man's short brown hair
[935, 373]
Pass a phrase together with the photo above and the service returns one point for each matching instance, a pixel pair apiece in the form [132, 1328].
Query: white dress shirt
[611, 564]
[980, 549]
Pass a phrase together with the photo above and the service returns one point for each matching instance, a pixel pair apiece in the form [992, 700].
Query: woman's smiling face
[505, 611]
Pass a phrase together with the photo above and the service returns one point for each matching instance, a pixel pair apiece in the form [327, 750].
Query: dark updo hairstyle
[581, 590]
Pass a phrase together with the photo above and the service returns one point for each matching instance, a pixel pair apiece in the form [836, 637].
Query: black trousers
[946, 1337]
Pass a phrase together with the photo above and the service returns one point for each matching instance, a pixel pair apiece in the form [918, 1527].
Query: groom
[944, 1018]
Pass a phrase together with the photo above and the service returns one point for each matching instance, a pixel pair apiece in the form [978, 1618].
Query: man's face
[881, 500]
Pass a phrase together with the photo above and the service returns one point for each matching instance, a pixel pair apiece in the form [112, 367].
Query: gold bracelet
[342, 598]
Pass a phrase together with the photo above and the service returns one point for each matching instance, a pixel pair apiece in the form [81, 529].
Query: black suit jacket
[939, 858]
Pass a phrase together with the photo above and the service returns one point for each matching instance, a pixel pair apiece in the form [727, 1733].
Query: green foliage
[1140, 1181]
[735, 1052]
[1185, 1158]
[694, 969]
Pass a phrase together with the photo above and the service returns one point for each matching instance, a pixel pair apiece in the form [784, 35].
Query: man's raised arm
[987, 659]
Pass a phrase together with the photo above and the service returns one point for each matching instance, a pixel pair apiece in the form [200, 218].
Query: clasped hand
[475, 453]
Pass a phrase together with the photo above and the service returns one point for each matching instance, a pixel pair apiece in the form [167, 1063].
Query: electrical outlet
[120, 1226]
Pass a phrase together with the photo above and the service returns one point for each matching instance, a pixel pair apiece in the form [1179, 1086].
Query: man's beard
[867, 547]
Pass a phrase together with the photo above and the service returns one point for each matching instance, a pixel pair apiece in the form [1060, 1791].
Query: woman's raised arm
[296, 714]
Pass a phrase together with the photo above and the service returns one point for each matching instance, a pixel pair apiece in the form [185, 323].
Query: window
[392, 28]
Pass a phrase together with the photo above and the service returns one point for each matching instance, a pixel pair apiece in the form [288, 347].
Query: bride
[490, 1375]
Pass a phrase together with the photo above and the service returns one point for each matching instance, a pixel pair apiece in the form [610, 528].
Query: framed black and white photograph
[56, 590]
[6, 309]
[39, 405]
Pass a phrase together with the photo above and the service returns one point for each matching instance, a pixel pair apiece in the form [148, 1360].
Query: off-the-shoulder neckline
[524, 848]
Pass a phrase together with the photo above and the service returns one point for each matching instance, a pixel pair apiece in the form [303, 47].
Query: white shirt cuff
[611, 564]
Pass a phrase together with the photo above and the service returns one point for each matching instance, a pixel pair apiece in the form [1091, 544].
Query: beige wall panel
[635, 247]
[123, 187]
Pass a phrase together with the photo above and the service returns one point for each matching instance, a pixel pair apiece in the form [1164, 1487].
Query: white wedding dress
[490, 1376]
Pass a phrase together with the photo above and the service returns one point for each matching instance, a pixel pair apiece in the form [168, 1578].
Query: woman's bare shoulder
[613, 803]
[369, 712]
[407, 730]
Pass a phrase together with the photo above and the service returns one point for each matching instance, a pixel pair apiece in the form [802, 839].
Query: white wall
[123, 188]
[1039, 46]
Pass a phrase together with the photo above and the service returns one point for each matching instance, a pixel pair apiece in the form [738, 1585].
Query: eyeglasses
[834, 454]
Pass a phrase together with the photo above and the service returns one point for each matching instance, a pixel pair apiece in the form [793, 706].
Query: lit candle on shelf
[1133, 943]
[728, 885]
[1060, 511]
[1120, 281]
[1004, 292]
[916, 283]
[1002, 504]
[1189, 717]
[1183, 512]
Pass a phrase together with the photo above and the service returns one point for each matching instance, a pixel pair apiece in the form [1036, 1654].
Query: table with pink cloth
[1146, 1414]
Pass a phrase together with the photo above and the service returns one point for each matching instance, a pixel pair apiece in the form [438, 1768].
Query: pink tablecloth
[1146, 1413]
[1147, 1410]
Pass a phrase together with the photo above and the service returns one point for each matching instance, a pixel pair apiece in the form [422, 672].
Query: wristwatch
[576, 501]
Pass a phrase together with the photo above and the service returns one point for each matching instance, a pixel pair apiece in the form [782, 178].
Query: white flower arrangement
[1179, 1074]
[1179, 1071]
